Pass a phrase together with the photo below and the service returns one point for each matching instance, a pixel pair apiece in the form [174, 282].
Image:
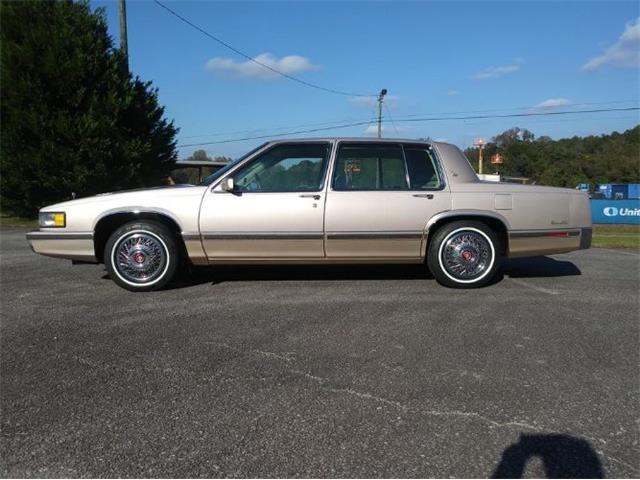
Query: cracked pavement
[319, 371]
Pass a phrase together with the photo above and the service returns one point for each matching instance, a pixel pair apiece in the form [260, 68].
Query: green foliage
[613, 158]
[73, 118]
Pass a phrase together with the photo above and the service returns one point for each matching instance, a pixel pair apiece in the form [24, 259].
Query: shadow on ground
[562, 456]
[516, 268]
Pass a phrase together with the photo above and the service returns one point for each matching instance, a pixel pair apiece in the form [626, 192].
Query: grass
[9, 221]
[616, 236]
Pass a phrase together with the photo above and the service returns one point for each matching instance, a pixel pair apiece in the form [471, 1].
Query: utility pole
[383, 92]
[123, 33]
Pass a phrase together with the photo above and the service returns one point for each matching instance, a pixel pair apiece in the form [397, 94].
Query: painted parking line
[534, 287]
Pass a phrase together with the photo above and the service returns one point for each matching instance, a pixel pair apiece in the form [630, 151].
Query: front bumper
[72, 245]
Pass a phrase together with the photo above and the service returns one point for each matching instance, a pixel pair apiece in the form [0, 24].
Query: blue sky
[433, 57]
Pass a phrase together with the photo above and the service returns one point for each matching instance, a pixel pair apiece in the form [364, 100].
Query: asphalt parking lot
[323, 371]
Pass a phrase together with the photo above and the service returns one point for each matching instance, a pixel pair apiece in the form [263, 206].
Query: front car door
[277, 208]
[380, 199]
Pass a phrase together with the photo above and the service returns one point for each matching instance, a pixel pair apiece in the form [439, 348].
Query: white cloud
[498, 72]
[451, 93]
[390, 100]
[387, 130]
[552, 103]
[290, 65]
[624, 53]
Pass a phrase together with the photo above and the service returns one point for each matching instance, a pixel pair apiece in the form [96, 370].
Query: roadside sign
[615, 211]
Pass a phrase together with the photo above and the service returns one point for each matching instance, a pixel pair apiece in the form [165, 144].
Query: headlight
[52, 219]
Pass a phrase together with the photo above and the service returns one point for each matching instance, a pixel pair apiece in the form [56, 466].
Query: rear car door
[381, 197]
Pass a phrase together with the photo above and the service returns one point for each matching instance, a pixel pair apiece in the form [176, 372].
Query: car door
[276, 209]
[381, 197]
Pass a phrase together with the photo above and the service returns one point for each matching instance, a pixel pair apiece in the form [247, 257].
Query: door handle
[424, 195]
[314, 196]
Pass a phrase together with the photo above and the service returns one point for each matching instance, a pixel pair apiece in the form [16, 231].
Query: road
[320, 371]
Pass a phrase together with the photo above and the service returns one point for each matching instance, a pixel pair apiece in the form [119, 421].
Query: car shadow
[516, 268]
[562, 456]
[531, 267]
[240, 273]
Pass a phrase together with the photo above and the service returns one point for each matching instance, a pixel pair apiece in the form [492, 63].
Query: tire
[464, 254]
[141, 256]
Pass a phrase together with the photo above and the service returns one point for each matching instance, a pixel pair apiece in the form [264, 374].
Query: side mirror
[227, 185]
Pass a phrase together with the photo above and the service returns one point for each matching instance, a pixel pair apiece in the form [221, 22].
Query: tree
[200, 155]
[73, 119]
[613, 158]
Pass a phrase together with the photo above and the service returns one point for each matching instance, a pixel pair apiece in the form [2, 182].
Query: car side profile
[328, 200]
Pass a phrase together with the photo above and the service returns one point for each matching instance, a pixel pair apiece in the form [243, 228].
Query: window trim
[366, 144]
[418, 145]
[436, 164]
[258, 155]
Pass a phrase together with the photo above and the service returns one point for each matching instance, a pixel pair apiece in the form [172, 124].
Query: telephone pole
[123, 33]
[383, 92]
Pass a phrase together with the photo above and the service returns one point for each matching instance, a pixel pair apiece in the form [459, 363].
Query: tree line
[611, 158]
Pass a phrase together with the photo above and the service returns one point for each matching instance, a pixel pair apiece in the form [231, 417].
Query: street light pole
[480, 143]
[383, 92]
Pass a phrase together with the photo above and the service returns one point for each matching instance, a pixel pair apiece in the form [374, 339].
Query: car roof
[353, 139]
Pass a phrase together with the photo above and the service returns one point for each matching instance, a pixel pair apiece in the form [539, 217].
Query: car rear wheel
[141, 256]
[464, 255]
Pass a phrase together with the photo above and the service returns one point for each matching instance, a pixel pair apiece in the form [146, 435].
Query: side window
[370, 167]
[285, 168]
[423, 174]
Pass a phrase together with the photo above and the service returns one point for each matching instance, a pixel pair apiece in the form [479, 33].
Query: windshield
[220, 173]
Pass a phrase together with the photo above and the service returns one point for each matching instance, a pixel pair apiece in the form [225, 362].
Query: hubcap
[466, 255]
[140, 257]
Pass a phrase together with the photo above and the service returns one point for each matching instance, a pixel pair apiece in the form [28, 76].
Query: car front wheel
[464, 255]
[141, 256]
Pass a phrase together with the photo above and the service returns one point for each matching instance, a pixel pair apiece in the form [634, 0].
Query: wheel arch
[499, 224]
[110, 221]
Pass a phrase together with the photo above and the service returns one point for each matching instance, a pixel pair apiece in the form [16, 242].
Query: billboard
[615, 211]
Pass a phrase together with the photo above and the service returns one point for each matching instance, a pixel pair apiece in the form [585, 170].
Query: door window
[285, 168]
[370, 167]
[423, 174]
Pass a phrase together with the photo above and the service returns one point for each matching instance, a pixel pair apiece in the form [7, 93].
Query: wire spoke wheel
[466, 255]
[140, 257]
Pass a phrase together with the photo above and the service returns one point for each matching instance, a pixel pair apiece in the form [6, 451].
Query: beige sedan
[334, 200]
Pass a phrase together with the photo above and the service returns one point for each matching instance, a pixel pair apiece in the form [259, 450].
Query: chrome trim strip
[373, 235]
[262, 235]
[40, 235]
[543, 233]
[190, 236]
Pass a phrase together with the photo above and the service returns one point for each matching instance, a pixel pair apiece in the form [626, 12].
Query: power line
[274, 129]
[417, 120]
[373, 118]
[264, 65]
[391, 118]
[530, 108]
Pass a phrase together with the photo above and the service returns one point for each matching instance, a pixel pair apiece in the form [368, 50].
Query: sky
[435, 58]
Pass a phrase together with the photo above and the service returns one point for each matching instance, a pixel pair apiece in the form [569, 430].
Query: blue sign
[615, 211]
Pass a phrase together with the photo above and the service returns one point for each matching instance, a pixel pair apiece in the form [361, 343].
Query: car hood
[139, 196]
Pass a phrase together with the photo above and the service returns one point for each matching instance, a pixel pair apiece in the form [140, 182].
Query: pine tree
[73, 119]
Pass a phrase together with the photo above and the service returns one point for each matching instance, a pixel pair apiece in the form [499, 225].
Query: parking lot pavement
[323, 371]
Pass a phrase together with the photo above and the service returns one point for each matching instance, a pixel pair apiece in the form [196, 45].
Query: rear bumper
[585, 238]
[72, 245]
[526, 243]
